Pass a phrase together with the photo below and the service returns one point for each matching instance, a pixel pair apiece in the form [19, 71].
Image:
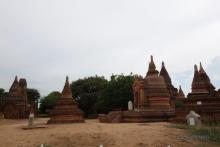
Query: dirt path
[91, 134]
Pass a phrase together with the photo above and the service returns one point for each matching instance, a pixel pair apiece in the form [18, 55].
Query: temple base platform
[142, 116]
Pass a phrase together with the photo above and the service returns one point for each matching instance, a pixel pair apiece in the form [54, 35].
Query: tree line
[96, 94]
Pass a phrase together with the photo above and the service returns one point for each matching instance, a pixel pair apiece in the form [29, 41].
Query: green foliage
[179, 104]
[205, 132]
[96, 94]
[117, 94]
[33, 95]
[86, 91]
[211, 123]
[212, 133]
[178, 126]
[49, 101]
[3, 93]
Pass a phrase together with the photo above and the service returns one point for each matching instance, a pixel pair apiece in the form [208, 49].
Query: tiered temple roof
[180, 94]
[203, 98]
[172, 90]
[15, 105]
[201, 83]
[155, 89]
[15, 89]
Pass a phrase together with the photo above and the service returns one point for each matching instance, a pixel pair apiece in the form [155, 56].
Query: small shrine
[66, 109]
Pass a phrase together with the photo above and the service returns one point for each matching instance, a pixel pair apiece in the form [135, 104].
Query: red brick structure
[180, 95]
[203, 98]
[66, 109]
[180, 109]
[152, 92]
[152, 98]
[15, 105]
[172, 90]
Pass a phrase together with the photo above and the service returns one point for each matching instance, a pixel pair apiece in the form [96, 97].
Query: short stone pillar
[31, 120]
[130, 106]
[193, 119]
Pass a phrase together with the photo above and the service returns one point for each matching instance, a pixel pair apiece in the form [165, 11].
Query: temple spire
[196, 73]
[152, 67]
[165, 74]
[16, 78]
[15, 88]
[66, 93]
[151, 64]
[195, 68]
[180, 94]
[201, 70]
[163, 65]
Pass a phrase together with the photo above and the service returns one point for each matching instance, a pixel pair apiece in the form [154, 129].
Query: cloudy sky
[45, 40]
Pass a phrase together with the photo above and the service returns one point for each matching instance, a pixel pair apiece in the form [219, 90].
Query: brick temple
[66, 109]
[154, 98]
[16, 105]
[203, 98]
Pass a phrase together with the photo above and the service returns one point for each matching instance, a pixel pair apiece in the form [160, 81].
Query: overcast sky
[45, 40]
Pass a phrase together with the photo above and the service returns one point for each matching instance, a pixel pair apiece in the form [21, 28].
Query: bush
[179, 104]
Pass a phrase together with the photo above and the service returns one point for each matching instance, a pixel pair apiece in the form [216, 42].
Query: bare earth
[92, 134]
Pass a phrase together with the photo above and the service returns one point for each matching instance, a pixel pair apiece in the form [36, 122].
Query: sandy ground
[92, 134]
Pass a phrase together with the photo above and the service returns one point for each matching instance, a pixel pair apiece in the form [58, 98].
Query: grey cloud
[46, 40]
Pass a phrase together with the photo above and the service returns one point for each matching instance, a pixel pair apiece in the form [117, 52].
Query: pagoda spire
[16, 79]
[195, 68]
[152, 65]
[15, 88]
[152, 68]
[201, 69]
[66, 93]
[180, 92]
[163, 65]
[196, 73]
[165, 74]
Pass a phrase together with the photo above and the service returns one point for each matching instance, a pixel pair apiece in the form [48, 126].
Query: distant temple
[15, 105]
[203, 98]
[154, 98]
[66, 109]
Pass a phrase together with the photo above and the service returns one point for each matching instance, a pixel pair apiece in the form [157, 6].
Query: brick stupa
[203, 98]
[152, 91]
[152, 99]
[15, 105]
[66, 109]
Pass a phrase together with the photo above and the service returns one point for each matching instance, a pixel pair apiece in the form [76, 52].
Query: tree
[86, 91]
[117, 94]
[3, 93]
[49, 101]
[33, 95]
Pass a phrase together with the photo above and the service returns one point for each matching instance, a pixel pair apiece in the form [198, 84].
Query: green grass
[206, 132]
[212, 133]
[179, 126]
